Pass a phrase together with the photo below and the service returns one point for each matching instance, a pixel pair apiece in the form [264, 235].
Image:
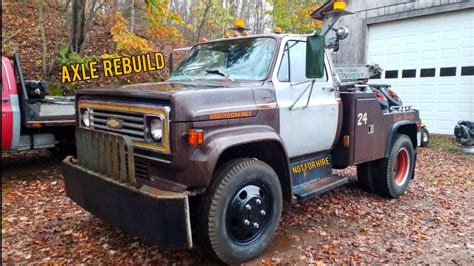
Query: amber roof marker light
[239, 28]
[339, 5]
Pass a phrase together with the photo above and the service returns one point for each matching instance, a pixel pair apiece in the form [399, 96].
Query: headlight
[156, 128]
[86, 120]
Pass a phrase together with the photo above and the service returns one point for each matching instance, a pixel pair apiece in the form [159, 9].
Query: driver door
[308, 117]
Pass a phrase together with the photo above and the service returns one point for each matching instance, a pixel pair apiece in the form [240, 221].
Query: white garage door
[429, 61]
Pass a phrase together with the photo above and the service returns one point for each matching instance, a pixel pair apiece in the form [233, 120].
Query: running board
[318, 186]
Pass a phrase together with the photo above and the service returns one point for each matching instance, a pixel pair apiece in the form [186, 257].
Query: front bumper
[160, 217]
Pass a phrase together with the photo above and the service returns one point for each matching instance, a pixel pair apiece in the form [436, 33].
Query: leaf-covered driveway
[431, 223]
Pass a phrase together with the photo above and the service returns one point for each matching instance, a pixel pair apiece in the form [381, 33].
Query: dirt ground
[431, 223]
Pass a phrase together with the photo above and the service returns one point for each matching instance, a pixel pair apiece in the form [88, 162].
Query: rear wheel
[365, 177]
[425, 137]
[242, 211]
[392, 175]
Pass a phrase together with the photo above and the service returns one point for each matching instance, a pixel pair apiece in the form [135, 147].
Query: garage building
[426, 49]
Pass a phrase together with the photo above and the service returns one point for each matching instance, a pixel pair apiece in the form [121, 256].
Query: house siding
[353, 49]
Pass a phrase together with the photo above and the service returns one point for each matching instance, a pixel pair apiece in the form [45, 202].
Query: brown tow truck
[242, 124]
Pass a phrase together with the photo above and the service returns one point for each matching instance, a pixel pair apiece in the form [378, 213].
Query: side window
[293, 63]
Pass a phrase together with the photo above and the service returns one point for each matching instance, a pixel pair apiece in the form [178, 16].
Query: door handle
[5, 100]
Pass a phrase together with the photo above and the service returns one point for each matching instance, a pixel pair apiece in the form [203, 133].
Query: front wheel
[242, 210]
[392, 175]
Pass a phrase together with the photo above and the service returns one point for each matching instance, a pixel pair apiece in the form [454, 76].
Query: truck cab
[207, 157]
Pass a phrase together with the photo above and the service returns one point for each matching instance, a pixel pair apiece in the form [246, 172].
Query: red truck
[30, 119]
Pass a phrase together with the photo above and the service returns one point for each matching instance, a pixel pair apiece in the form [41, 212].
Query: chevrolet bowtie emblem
[114, 123]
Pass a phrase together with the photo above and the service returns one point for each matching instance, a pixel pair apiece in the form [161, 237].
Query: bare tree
[77, 26]
[43, 39]
[203, 20]
[132, 17]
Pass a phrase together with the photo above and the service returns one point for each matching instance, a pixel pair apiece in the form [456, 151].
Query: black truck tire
[241, 211]
[61, 151]
[392, 97]
[425, 137]
[392, 175]
[381, 98]
[365, 177]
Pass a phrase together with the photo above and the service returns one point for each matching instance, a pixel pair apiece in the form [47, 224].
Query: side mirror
[315, 45]
[341, 33]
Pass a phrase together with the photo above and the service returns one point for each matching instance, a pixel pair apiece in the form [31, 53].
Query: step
[318, 186]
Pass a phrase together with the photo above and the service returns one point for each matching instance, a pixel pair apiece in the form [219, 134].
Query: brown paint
[364, 147]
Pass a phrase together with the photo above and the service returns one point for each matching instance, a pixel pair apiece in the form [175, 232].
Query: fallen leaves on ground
[431, 223]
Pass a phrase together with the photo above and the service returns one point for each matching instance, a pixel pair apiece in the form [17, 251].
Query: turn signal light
[346, 140]
[195, 136]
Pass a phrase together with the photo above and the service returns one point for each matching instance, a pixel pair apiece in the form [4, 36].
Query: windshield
[246, 59]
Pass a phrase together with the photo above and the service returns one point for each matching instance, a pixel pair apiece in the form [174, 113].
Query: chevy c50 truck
[207, 158]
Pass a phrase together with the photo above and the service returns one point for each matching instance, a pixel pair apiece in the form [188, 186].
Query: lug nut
[255, 225]
[248, 207]
[263, 213]
[258, 201]
[246, 222]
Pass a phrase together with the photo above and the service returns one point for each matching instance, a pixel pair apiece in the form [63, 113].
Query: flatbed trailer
[31, 119]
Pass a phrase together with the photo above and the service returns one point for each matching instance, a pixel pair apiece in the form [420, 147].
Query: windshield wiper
[218, 72]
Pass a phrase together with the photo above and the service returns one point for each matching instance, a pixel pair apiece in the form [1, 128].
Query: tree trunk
[77, 26]
[132, 17]
[43, 39]
[203, 21]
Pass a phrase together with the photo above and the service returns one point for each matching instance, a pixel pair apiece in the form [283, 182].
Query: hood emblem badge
[114, 123]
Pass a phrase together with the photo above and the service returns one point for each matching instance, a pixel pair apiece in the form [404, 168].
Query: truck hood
[190, 101]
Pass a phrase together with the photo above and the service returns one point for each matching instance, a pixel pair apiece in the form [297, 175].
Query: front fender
[218, 141]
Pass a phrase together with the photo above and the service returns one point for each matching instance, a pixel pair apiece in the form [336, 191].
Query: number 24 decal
[361, 118]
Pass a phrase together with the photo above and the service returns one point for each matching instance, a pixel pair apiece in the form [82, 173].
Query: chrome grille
[128, 119]
[133, 123]
[141, 169]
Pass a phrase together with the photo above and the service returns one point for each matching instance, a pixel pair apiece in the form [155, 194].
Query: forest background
[51, 33]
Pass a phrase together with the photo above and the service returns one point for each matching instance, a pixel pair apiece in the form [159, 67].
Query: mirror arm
[330, 24]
